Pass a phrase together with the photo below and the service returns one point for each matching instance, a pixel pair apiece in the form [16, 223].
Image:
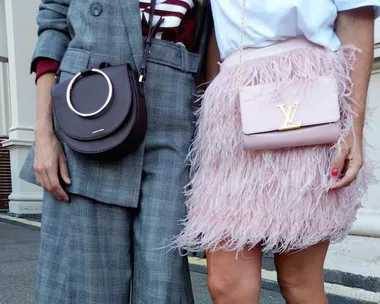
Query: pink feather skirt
[276, 199]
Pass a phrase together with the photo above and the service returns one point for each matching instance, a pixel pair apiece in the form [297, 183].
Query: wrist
[358, 125]
[44, 130]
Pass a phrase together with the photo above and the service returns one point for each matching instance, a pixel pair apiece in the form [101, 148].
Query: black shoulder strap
[148, 41]
[204, 26]
[202, 30]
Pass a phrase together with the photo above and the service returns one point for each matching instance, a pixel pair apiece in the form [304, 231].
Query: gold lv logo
[289, 114]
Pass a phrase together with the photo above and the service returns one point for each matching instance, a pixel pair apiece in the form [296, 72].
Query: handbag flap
[289, 105]
[89, 95]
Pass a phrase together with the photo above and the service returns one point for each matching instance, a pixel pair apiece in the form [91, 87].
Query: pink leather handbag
[276, 116]
[288, 114]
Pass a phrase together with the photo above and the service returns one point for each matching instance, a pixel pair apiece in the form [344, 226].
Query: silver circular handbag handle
[106, 103]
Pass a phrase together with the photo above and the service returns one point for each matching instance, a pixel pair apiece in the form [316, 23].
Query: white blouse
[269, 21]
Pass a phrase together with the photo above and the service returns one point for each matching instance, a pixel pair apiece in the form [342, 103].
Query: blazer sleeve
[53, 33]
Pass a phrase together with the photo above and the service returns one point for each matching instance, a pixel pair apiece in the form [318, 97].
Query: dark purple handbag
[102, 112]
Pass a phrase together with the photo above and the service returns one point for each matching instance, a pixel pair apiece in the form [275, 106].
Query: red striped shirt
[179, 23]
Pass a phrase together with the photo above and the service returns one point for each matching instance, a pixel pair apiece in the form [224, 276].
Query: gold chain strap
[241, 45]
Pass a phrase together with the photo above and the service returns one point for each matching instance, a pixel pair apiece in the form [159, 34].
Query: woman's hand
[50, 165]
[348, 162]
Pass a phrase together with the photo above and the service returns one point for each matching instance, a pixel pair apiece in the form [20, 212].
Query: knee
[227, 289]
[219, 287]
[297, 290]
[290, 288]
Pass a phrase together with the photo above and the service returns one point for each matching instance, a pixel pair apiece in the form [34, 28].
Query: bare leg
[235, 277]
[300, 275]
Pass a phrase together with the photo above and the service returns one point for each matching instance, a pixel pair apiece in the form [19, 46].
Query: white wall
[377, 31]
[5, 111]
[374, 126]
[368, 222]
[377, 38]
[3, 31]
[4, 89]
[373, 137]
[22, 35]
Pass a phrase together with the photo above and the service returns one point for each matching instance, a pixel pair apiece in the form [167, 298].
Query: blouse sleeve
[344, 5]
[45, 65]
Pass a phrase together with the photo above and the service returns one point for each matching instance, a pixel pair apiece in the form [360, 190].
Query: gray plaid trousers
[122, 213]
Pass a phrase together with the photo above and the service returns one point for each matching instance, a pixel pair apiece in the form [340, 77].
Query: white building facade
[17, 111]
[17, 96]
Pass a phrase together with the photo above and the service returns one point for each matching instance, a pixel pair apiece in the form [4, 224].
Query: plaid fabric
[122, 212]
[108, 31]
[91, 252]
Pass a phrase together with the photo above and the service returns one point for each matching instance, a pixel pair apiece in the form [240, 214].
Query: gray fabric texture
[122, 213]
[91, 252]
[112, 33]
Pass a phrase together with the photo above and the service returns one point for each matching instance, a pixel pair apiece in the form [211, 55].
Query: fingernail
[335, 172]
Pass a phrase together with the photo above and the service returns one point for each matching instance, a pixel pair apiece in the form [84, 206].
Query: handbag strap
[241, 44]
[148, 41]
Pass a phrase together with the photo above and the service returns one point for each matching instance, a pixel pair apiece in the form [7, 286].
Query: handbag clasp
[289, 115]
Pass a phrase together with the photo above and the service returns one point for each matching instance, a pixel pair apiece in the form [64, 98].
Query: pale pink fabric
[279, 198]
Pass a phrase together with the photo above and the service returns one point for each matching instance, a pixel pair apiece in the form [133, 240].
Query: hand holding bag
[102, 112]
[294, 113]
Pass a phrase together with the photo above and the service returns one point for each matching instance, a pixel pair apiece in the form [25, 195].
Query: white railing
[5, 109]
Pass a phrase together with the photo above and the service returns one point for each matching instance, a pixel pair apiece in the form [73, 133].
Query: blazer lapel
[131, 15]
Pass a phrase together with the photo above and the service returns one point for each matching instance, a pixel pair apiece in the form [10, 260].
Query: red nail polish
[335, 172]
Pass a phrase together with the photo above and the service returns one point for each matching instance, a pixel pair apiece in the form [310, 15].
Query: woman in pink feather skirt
[293, 200]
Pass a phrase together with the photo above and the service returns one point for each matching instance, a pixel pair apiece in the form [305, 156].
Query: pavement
[18, 258]
[19, 242]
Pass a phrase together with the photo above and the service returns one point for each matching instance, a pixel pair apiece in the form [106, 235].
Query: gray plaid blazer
[83, 33]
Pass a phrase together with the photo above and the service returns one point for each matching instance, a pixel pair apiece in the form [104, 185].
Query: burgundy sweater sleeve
[45, 65]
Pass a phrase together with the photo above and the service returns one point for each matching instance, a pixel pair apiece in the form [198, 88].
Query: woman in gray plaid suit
[103, 222]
